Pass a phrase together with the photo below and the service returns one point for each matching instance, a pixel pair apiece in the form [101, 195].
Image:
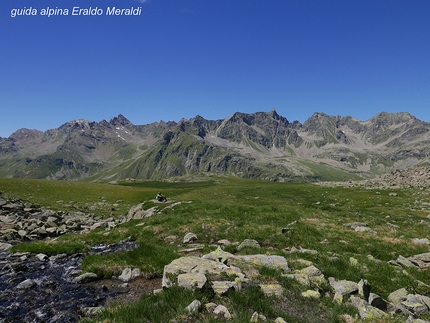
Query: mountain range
[260, 145]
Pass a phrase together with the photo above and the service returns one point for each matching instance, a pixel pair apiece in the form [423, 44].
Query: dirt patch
[393, 240]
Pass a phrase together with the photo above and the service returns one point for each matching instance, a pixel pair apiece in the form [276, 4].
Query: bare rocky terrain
[415, 177]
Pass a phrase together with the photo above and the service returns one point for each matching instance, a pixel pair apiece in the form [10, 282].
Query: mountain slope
[260, 145]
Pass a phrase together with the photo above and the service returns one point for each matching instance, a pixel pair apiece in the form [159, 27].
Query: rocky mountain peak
[388, 119]
[79, 124]
[322, 125]
[25, 134]
[120, 120]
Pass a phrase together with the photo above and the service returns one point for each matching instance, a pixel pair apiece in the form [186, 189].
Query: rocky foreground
[21, 221]
[416, 177]
[195, 272]
[42, 288]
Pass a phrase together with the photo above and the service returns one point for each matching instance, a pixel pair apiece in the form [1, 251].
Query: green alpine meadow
[349, 232]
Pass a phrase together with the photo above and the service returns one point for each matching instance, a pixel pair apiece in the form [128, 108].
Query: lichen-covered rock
[189, 265]
[301, 250]
[257, 317]
[191, 280]
[272, 289]
[343, 287]
[397, 296]
[272, 261]
[222, 311]
[222, 287]
[301, 278]
[311, 294]
[425, 300]
[280, 320]
[424, 241]
[404, 262]
[310, 271]
[365, 310]
[313, 276]
[218, 255]
[421, 260]
[338, 298]
[248, 243]
[194, 306]
[415, 304]
[412, 320]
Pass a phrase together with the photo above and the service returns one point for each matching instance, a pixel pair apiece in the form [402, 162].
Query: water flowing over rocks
[38, 288]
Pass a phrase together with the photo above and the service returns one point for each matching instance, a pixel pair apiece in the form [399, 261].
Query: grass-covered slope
[217, 208]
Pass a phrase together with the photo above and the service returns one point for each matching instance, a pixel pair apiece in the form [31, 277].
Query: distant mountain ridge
[260, 145]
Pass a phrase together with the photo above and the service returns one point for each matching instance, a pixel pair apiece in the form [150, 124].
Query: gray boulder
[85, 278]
[129, 274]
[248, 243]
[222, 312]
[421, 260]
[365, 310]
[343, 287]
[189, 238]
[194, 306]
[26, 284]
[415, 305]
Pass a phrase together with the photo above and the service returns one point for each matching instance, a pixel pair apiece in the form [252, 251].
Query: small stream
[37, 288]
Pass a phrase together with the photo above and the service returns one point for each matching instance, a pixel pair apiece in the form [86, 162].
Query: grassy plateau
[279, 216]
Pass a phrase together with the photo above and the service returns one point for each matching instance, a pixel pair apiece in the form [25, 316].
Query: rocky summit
[260, 145]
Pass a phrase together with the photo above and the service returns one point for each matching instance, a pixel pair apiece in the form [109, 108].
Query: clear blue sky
[182, 58]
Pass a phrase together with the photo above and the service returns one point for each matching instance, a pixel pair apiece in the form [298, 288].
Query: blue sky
[182, 58]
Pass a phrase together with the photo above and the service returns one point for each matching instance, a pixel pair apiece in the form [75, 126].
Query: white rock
[221, 310]
[26, 284]
[194, 306]
[190, 237]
